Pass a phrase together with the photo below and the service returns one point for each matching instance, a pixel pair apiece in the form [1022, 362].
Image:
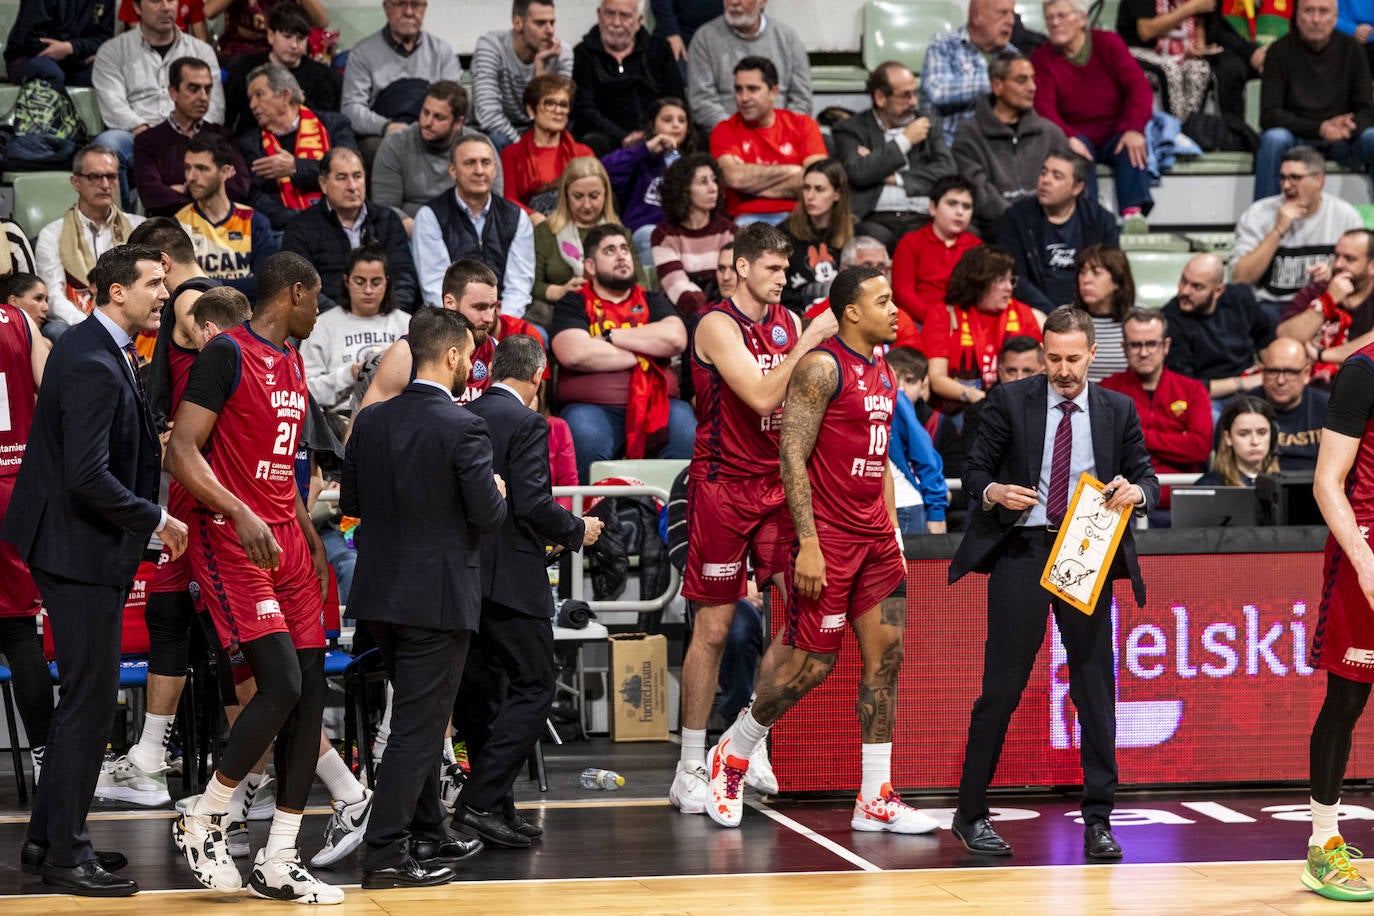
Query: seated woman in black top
[819, 227]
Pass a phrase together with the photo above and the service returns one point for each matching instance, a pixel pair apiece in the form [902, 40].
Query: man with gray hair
[744, 31]
[284, 153]
[954, 72]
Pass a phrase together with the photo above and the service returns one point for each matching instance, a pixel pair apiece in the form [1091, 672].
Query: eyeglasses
[99, 177]
[367, 282]
[1291, 176]
[1143, 346]
[1285, 374]
[555, 104]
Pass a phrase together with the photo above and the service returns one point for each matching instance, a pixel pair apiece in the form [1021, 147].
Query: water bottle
[592, 778]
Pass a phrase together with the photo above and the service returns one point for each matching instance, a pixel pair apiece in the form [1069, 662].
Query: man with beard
[503, 63]
[232, 241]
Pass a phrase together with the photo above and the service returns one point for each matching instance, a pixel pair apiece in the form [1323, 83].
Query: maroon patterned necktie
[1058, 502]
[131, 351]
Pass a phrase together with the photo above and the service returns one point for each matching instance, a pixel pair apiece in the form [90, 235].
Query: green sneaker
[1331, 873]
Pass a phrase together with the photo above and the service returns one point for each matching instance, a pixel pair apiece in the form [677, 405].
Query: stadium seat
[40, 198]
[7, 692]
[656, 472]
[1156, 275]
[1154, 241]
[1366, 212]
[1032, 15]
[835, 78]
[8, 13]
[355, 22]
[9, 95]
[1217, 242]
[88, 107]
[893, 30]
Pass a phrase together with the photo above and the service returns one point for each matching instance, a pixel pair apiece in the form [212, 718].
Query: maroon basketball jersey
[847, 465]
[179, 360]
[16, 388]
[732, 439]
[252, 449]
[479, 377]
[1359, 483]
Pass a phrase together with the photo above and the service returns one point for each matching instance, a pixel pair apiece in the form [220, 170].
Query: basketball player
[1343, 484]
[847, 565]
[262, 571]
[744, 351]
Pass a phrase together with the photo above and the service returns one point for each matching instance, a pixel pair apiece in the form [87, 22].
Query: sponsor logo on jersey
[832, 622]
[268, 608]
[886, 383]
[479, 370]
[779, 335]
[268, 362]
[721, 570]
[1364, 658]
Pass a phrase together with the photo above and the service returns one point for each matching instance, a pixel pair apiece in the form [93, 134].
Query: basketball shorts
[1343, 642]
[175, 575]
[729, 522]
[860, 571]
[18, 595]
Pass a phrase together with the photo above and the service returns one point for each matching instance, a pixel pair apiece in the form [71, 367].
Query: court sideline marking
[825, 843]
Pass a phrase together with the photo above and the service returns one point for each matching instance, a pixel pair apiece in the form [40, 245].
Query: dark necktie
[1058, 503]
[134, 359]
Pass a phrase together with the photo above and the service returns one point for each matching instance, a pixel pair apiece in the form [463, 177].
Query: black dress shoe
[88, 880]
[408, 874]
[491, 827]
[979, 836]
[32, 855]
[433, 854]
[1098, 842]
[524, 827]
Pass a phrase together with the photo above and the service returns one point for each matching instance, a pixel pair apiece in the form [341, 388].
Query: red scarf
[312, 142]
[978, 350]
[646, 413]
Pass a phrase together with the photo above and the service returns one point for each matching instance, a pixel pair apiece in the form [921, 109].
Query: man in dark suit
[509, 684]
[84, 507]
[1037, 436]
[416, 584]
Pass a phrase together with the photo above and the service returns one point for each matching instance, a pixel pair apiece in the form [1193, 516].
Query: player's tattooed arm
[808, 394]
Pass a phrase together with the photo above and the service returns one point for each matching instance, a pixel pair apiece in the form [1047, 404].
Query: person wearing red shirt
[762, 150]
[926, 257]
[1175, 410]
[532, 165]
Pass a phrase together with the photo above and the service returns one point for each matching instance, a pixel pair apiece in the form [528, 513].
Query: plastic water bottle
[592, 778]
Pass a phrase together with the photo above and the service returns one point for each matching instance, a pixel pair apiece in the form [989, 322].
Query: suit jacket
[417, 471]
[926, 161]
[85, 501]
[513, 557]
[1010, 448]
[317, 235]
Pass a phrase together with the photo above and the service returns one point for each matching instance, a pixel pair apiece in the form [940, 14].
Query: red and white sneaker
[726, 802]
[889, 813]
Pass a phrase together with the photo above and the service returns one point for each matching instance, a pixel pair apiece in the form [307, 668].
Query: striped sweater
[686, 261]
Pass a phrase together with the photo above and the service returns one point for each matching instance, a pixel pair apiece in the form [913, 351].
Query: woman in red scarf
[533, 164]
[964, 339]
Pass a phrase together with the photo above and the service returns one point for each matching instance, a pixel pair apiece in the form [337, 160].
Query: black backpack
[47, 130]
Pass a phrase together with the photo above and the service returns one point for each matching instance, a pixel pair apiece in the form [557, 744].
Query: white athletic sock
[238, 805]
[333, 772]
[150, 753]
[36, 753]
[282, 835]
[215, 798]
[384, 731]
[449, 756]
[877, 769]
[1324, 825]
[693, 746]
[746, 734]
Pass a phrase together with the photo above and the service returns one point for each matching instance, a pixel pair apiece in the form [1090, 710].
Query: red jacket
[1176, 421]
[526, 172]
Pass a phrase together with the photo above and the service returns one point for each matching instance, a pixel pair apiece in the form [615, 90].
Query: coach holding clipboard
[1037, 437]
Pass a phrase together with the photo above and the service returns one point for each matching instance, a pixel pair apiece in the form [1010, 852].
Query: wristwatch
[606, 336]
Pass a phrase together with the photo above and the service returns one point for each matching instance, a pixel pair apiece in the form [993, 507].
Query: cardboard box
[639, 685]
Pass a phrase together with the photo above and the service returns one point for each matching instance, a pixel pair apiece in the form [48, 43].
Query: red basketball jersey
[732, 439]
[179, 361]
[479, 377]
[17, 392]
[847, 465]
[252, 449]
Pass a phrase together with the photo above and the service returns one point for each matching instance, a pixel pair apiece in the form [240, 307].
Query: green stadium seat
[1366, 212]
[894, 30]
[1106, 15]
[88, 106]
[1032, 15]
[40, 198]
[9, 95]
[656, 472]
[1252, 104]
[8, 13]
[1217, 242]
[1156, 275]
[836, 78]
[1154, 241]
[355, 22]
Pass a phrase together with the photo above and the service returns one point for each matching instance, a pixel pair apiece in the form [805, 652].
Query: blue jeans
[54, 328]
[1357, 153]
[911, 519]
[122, 142]
[599, 433]
[772, 219]
[642, 237]
[342, 557]
[1132, 184]
[740, 660]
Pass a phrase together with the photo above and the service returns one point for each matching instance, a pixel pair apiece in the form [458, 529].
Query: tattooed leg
[786, 675]
[880, 644]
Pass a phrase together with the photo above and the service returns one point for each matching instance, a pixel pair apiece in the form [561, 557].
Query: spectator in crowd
[676, 21]
[925, 258]
[329, 232]
[1285, 241]
[1185, 45]
[1356, 19]
[584, 202]
[893, 154]
[471, 221]
[29, 294]
[284, 153]
[918, 471]
[68, 247]
[533, 164]
[1175, 411]
[288, 44]
[964, 340]
[365, 324]
[232, 241]
[1106, 291]
[689, 243]
[622, 70]
[246, 23]
[1215, 329]
[503, 63]
[388, 73]
[954, 72]
[743, 31]
[131, 76]
[1333, 318]
[866, 251]
[1001, 148]
[411, 167]
[1299, 408]
[762, 149]
[190, 17]
[16, 255]
[1045, 234]
[1021, 357]
[819, 227]
[614, 342]
[1248, 447]
[1315, 91]
[637, 169]
[160, 151]
[57, 39]
[1107, 123]
[912, 369]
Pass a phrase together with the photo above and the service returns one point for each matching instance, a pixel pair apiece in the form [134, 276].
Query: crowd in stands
[601, 179]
